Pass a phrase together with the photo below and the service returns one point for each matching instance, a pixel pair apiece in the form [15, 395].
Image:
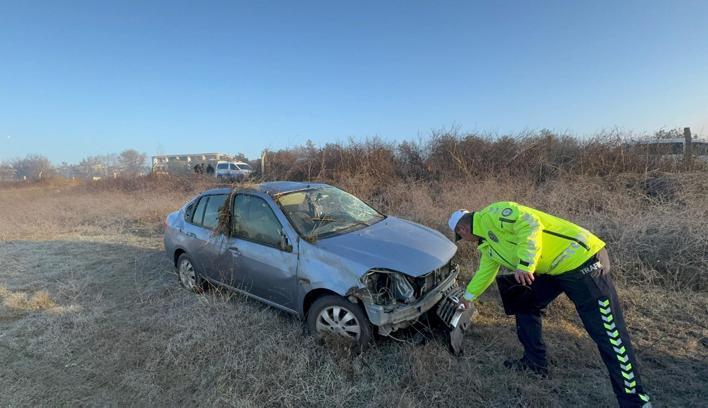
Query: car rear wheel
[335, 315]
[188, 276]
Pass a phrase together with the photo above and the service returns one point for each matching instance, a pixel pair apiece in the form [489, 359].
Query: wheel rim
[187, 274]
[340, 321]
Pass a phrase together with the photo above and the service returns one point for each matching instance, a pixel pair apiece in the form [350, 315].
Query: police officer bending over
[550, 256]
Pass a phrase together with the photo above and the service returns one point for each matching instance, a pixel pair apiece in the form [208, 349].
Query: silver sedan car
[317, 252]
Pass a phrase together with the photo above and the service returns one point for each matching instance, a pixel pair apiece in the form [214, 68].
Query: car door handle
[234, 250]
[191, 235]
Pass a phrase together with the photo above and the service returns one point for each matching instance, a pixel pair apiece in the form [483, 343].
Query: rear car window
[198, 216]
[222, 166]
[211, 213]
[189, 210]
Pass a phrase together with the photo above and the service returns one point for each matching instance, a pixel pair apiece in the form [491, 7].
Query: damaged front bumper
[390, 318]
[458, 320]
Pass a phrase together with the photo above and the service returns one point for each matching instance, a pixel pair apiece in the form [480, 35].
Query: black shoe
[526, 365]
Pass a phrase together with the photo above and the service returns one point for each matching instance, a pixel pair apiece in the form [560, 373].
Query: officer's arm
[481, 280]
[528, 229]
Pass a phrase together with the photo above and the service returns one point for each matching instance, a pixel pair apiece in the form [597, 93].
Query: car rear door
[193, 232]
[263, 265]
[203, 244]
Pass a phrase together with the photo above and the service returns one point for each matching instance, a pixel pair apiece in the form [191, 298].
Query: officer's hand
[464, 304]
[523, 277]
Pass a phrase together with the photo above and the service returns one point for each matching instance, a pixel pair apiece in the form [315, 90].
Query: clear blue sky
[80, 78]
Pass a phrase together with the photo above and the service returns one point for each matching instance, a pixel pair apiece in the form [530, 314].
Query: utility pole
[687, 148]
[264, 154]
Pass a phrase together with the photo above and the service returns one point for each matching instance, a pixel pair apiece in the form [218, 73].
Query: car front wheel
[335, 315]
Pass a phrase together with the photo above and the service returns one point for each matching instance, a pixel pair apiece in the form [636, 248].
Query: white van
[233, 171]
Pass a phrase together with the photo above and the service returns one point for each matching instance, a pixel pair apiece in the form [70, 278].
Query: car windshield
[323, 212]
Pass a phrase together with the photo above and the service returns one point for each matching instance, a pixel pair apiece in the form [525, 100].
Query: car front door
[264, 262]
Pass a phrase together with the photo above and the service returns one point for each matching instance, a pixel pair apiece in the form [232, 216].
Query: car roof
[222, 190]
[272, 188]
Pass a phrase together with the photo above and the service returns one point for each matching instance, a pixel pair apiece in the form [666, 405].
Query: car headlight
[387, 286]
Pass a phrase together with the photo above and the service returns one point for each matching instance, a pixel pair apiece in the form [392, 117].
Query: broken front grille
[426, 283]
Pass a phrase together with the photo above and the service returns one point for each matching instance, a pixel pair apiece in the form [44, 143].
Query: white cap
[455, 218]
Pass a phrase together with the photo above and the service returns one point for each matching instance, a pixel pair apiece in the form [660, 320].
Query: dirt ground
[91, 314]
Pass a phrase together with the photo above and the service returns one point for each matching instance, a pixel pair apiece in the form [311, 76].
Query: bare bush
[132, 162]
[533, 157]
[601, 183]
[33, 168]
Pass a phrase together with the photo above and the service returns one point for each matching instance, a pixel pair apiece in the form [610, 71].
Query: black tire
[328, 304]
[197, 284]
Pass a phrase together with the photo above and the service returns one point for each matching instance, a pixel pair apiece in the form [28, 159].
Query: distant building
[91, 171]
[185, 163]
[674, 147]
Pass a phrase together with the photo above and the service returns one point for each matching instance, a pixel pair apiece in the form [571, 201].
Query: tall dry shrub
[648, 211]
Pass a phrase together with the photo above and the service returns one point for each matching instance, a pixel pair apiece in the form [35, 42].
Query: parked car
[232, 171]
[315, 251]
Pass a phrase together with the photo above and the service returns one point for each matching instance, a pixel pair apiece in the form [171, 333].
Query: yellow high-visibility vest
[521, 238]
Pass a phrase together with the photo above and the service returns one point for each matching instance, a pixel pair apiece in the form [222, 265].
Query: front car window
[244, 166]
[326, 211]
[254, 221]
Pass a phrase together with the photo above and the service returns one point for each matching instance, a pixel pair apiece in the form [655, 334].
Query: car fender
[320, 269]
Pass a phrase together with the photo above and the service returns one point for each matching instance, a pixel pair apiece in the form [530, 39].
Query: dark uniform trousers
[590, 288]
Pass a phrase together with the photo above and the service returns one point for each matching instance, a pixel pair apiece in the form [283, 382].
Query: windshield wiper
[320, 222]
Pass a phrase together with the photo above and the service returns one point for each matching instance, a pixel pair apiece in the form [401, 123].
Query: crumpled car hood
[395, 244]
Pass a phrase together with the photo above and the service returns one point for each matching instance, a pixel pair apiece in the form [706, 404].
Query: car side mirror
[285, 243]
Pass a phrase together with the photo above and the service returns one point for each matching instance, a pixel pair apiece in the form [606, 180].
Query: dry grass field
[91, 312]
